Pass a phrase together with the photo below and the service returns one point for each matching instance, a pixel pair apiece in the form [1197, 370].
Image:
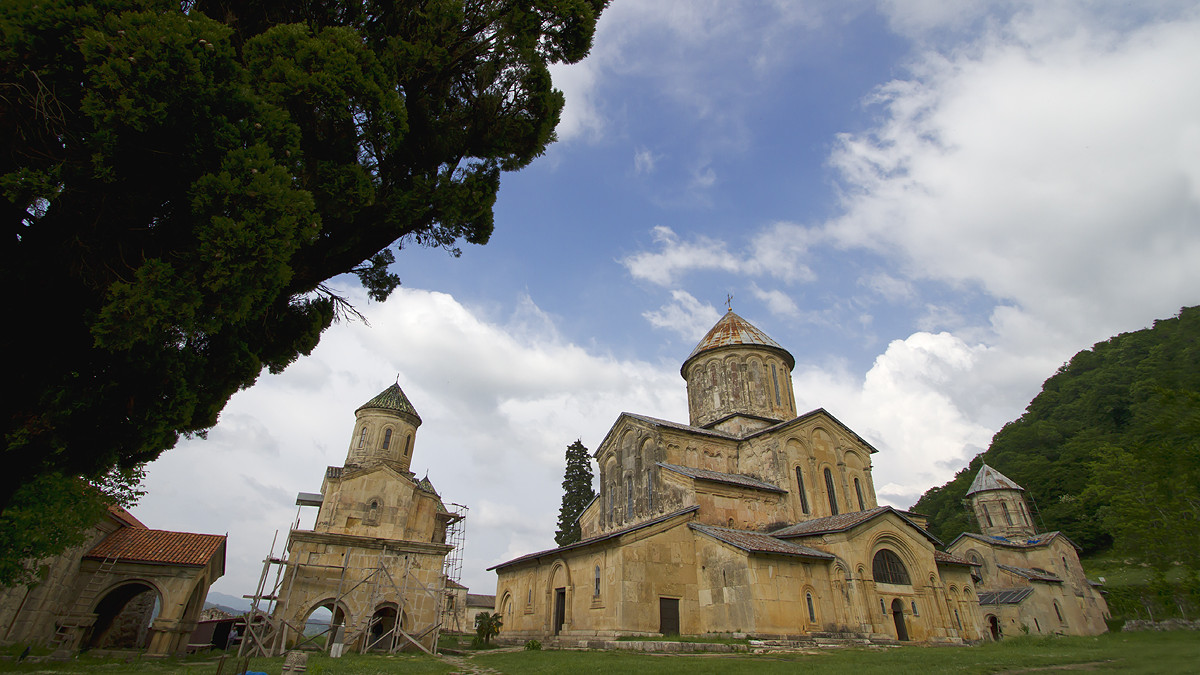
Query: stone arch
[505, 607]
[810, 606]
[326, 612]
[124, 614]
[381, 633]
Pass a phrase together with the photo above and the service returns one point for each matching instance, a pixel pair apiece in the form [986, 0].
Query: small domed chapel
[749, 519]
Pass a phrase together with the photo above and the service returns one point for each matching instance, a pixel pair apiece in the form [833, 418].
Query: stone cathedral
[749, 519]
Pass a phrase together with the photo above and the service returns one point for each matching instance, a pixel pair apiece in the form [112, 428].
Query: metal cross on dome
[729, 301]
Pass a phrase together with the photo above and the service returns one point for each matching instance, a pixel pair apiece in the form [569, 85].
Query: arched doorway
[382, 632]
[321, 624]
[123, 617]
[994, 627]
[898, 618]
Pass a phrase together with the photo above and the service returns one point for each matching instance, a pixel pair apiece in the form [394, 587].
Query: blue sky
[931, 205]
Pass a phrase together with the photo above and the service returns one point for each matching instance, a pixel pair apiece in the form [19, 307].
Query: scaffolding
[268, 629]
[456, 534]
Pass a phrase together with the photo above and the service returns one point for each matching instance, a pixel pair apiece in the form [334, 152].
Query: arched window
[407, 445]
[858, 491]
[596, 587]
[800, 487]
[387, 438]
[1007, 516]
[829, 490]
[887, 568]
[1058, 611]
[914, 606]
[987, 514]
[649, 490]
[812, 613]
[775, 379]
[628, 497]
[362, 438]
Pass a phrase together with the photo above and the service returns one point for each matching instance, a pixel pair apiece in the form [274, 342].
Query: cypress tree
[577, 493]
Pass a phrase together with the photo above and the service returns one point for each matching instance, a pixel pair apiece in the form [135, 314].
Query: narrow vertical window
[775, 379]
[387, 438]
[987, 514]
[628, 497]
[812, 613]
[407, 445]
[1007, 517]
[858, 491]
[882, 607]
[649, 491]
[800, 488]
[596, 588]
[914, 606]
[958, 619]
[833, 507]
[1058, 612]
[362, 438]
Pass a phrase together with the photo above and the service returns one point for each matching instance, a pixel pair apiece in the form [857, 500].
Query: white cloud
[644, 161]
[778, 251]
[684, 315]
[776, 300]
[499, 404]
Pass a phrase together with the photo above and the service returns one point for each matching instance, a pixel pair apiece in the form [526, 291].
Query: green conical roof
[393, 399]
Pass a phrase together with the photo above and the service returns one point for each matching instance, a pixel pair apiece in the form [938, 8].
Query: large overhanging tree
[179, 180]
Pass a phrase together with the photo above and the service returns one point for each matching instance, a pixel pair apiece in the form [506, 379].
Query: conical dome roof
[991, 479]
[393, 399]
[734, 331]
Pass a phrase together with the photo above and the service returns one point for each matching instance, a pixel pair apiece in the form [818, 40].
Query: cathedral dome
[738, 379]
[734, 331]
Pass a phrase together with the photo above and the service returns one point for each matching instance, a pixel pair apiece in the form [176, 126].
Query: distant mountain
[227, 603]
[1134, 397]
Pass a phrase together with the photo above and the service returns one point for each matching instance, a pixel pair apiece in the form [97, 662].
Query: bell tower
[385, 431]
[1000, 505]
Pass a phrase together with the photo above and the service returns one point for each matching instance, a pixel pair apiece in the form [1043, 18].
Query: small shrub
[533, 646]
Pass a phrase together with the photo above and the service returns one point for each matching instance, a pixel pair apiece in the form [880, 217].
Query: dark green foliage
[1108, 450]
[52, 513]
[487, 626]
[179, 184]
[577, 493]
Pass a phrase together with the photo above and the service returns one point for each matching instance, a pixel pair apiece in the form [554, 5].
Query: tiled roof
[124, 516]
[943, 558]
[843, 522]
[598, 538]
[733, 331]
[139, 544]
[1032, 575]
[737, 479]
[477, 600]
[454, 585]
[393, 399]
[757, 542]
[991, 479]
[1004, 596]
[1024, 542]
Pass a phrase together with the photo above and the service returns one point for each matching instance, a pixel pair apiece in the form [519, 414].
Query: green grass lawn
[1146, 652]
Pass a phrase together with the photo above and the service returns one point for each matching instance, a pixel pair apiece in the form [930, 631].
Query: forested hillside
[1108, 452]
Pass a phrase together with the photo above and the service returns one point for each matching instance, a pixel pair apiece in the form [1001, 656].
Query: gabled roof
[843, 522]
[943, 558]
[597, 539]
[1043, 539]
[478, 600]
[757, 542]
[807, 416]
[454, 585]
[138, 544]
[734, 331]
[1005, 596]
[1032, 575]
[991, 479]
[124, 517]
[393, 399]
[740, 480]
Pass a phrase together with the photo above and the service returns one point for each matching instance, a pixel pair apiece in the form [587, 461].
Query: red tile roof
[943, 558]
[159, 546]
[124, 516]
